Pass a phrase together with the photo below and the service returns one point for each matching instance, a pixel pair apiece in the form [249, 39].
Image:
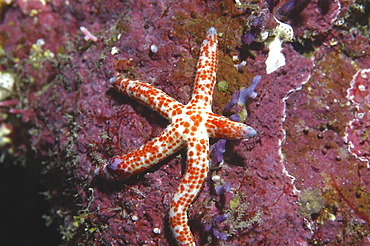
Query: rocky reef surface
[304, 180]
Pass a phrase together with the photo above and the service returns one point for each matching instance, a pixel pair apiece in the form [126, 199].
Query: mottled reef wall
[304, 179]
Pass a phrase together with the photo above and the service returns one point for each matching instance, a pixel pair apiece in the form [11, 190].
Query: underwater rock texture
[297, 182]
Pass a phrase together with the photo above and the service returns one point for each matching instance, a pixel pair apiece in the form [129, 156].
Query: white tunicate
[216, 178]
[4, 132]
[156, 230]
[364, 73]
[40, 42]
[276, 58]
[114, 50]
[361, 88]
[284, 31]
[6, 85]
[360, 115]
[262, 36]
[134, 218]
[154, 48]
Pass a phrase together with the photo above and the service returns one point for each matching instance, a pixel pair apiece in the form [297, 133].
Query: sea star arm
[190, 185]
[148, 95]
[159, 148]
[205, 78]
[221, 127]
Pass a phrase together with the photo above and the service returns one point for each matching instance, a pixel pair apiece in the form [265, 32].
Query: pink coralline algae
[296, 183]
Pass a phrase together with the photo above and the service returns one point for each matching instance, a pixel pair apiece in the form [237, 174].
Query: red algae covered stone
[297, 182]
[334, 184]
[357, 131]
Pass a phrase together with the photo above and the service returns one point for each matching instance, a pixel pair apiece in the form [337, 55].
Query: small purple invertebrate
[217, 152]
[288, 7]
[292, 7]
[213, 225]
[255, 25]
[242, 96]
[221, 218]
[219, 235]
[249, 92]
[248, 38]
[222, 189]
[240, 66]
[233, 102]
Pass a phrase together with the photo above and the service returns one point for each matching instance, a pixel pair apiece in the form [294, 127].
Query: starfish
[191, 125]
